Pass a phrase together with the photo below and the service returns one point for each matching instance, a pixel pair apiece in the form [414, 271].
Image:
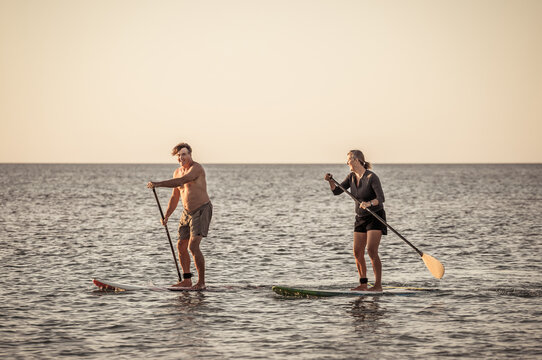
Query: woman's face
[350, 161]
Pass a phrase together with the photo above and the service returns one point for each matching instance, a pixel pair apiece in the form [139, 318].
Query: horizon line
[278, 163]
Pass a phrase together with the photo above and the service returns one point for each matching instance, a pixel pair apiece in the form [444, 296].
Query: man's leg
[198, 260]
[184, 259]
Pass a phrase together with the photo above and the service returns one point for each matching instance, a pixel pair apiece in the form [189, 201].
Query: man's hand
[151, 185]
[328, 177]
[164, 221]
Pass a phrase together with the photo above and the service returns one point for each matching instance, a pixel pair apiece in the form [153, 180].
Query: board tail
[103, 286]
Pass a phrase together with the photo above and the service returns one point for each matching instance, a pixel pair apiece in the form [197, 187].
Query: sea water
[63, 225]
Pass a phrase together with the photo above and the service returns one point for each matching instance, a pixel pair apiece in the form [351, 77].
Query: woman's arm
[377, 188]
[345, 184]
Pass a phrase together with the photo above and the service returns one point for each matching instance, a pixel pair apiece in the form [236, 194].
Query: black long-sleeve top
[369, 189]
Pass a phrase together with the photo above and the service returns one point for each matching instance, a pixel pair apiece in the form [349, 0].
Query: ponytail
[357, 154]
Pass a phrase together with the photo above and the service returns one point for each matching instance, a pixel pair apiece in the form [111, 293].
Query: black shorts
[365, 223]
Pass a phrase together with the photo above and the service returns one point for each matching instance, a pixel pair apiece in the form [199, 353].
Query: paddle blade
[434, 266]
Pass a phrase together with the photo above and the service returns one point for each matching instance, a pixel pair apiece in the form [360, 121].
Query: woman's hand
[328, 177]
[365, 204]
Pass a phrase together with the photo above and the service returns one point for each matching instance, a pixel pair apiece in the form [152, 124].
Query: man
[190, 186]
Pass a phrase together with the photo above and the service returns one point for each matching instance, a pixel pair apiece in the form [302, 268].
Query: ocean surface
[63, 225]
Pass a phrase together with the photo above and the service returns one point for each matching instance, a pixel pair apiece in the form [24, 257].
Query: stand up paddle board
[288, 291]
[107, 285]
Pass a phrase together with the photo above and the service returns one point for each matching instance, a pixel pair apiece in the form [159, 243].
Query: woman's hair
[357, 154]
[178, 148]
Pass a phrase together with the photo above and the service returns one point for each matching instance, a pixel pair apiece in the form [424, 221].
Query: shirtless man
[189, 185]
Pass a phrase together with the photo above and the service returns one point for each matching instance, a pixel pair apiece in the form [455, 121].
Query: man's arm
[191, 175]
[172, 204]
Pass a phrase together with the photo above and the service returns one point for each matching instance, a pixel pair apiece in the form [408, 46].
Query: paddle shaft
[378, 218]
[167, 232]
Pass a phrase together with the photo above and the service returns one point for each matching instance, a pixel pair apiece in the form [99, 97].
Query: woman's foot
[362, 287]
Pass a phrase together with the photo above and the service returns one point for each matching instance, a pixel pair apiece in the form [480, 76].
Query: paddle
[167, 232]
[434, 266]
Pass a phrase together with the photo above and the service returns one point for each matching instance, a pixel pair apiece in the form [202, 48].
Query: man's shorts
[369, 222]
[196, 223]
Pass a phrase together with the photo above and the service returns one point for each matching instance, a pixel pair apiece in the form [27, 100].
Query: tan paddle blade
[434, 266]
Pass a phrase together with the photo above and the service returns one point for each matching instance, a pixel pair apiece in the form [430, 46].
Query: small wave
[526, 293]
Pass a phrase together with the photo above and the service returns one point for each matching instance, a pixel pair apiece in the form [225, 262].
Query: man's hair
[178, 148]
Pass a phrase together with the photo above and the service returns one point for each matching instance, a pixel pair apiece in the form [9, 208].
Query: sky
[278, 81]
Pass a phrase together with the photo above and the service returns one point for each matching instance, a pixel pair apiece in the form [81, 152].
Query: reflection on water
[366, 313]
[189, 301]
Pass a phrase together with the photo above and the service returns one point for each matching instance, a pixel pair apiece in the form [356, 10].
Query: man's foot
[199, 286]
[362, 287]
[185, 283]
[375, 288]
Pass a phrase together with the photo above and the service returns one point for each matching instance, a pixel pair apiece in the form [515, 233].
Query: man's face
[183, 157]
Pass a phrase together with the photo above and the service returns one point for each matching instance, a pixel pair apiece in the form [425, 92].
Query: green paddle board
[288, 291]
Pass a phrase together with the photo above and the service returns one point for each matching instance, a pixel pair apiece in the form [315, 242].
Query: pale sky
[271, 81]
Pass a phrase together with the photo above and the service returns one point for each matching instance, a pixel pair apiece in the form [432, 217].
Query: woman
[365, 186]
